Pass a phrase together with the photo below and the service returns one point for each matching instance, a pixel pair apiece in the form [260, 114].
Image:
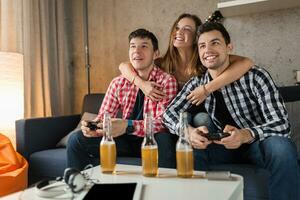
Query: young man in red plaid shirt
[122, 95]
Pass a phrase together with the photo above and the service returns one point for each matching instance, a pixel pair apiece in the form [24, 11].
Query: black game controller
[92, 125]
[216, 136]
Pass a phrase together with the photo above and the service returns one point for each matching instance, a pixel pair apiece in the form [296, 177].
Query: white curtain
[37, 29]
[11, 26]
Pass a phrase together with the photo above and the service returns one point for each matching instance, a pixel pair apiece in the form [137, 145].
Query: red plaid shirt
[121, 95]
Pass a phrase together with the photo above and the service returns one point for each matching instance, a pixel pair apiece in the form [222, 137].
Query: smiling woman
[11, 92]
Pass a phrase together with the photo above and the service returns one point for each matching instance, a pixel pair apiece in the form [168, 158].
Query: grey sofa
[37, 139]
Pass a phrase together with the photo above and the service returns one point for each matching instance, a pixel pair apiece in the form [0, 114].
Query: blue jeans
[276, 154]
[203, 119]
[166, 149]
[82, 150]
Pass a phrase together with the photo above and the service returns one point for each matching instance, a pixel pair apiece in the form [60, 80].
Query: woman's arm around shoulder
[149, 88]
[238, 67]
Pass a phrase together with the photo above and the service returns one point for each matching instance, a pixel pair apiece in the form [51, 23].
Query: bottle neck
[148, 128]
[108, 135]
[107, 126]
[149, 135]
[183, 126]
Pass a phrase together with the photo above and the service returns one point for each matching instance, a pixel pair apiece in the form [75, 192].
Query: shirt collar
[152, 76]
[207, 77]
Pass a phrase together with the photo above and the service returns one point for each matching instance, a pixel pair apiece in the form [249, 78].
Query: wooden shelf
[244, 7]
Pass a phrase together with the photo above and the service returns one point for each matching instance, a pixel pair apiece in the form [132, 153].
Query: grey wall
[271, 39]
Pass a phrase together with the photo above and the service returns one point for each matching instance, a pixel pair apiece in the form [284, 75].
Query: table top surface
[166, 185]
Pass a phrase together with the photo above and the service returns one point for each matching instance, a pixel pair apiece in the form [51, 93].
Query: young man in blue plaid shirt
[250, 109]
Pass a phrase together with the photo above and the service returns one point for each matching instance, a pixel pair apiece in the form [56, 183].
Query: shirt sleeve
[272, 108]
[158, 108]
[110, 102]
[178, 105]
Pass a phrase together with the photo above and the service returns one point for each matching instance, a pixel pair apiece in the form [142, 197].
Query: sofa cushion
[52, 162]
[48, 163]
[129, 161]
[86, 116]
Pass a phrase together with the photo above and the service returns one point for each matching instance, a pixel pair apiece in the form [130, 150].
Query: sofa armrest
[38, 134]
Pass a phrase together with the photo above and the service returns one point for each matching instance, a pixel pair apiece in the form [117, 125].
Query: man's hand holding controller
[198, 141]
[231, 137]
[200, 137]
[94, 128]
[89, 128]
[216, 136]
[237, 137]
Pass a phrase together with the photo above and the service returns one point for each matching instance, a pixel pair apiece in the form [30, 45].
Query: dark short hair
[143, 33]
[211, 26]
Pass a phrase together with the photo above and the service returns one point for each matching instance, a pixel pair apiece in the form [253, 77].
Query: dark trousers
[82, 151]
[276, 154]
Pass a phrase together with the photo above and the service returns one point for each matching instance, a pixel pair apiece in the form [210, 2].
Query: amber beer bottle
[184, 150]
[107, 147]
[149, 149]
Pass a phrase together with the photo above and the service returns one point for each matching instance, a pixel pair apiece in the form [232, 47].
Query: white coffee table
[166, 185]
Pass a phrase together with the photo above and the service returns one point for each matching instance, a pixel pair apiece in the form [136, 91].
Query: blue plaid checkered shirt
[253, 102]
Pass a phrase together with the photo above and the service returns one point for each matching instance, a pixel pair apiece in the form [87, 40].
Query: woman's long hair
[171, 60]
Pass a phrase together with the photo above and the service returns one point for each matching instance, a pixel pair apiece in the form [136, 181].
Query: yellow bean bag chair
[13, 168]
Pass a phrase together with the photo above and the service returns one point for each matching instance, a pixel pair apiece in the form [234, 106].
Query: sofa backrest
[291, 96]
[92, 102]
[290, 93]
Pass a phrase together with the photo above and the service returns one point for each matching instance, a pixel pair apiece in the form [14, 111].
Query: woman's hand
[152, 90]
[197, 96]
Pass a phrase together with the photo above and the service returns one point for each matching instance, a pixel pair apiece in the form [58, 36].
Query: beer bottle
[184, 150]
[149, 149]
[107, 147]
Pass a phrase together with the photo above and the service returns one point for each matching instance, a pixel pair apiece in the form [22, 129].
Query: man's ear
[230, 47]
[156, 54]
